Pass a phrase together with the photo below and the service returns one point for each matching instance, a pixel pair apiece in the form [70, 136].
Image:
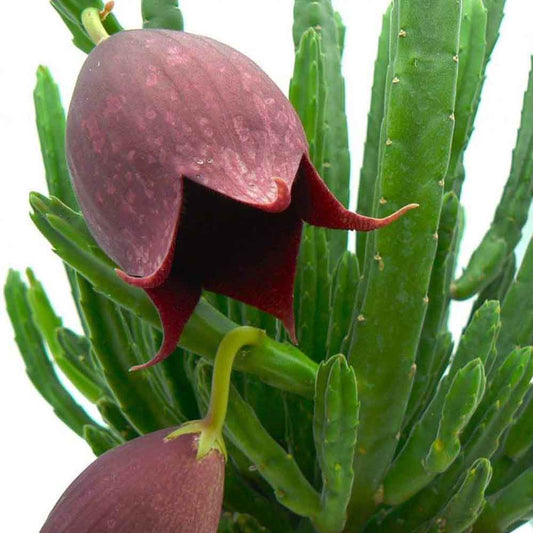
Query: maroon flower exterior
[144, 486]
[192, 171]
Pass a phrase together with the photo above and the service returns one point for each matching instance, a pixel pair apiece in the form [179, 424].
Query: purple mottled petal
[152, 106]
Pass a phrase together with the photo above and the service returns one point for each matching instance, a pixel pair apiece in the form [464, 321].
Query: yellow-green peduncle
[91, 19]
[210, 427]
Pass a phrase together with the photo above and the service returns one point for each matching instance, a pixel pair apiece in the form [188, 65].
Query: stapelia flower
[192, 171]
[146, 485]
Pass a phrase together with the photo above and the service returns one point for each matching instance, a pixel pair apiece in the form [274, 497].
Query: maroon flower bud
[192, 170]
[146, 485]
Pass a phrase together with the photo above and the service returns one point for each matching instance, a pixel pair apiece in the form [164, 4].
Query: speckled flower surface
[192, 171]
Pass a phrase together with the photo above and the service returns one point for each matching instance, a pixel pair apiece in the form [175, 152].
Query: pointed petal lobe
[319, 207]
[175, 300]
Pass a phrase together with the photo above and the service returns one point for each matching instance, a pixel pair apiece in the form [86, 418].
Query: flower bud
[146, 485]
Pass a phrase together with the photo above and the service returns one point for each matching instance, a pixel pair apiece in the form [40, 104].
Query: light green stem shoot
[210, 427]
[91, 18]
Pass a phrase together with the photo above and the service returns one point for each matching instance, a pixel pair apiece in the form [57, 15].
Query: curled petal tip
[163, 353]
[290, 326]
[362, 223]
[283, 198]
[141, 367]
[391, 218]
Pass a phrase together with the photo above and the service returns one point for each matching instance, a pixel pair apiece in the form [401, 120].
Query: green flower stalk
[210, 427]
[91, 19]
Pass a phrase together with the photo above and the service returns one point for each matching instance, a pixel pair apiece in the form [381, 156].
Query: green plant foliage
[374, 423]
[164, 14]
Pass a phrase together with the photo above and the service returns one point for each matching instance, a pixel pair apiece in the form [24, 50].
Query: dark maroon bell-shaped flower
[147, 485]
[192, 171]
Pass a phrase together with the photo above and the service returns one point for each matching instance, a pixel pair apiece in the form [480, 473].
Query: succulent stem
[92, 18]
[210, 427]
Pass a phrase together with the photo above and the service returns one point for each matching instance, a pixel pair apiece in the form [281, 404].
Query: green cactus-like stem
[497, 289]
[434, 442]
[509, 505]
[50, 120]
[418, 129]
[384, 142]
[49, 323]
[307, 92]
[483, 443]
[312, 297]
[100, 439]
[38, 366]
[320, 16]
[115, 419]
[478, 340]
[480, 335]
[241, 497]
[488, 259]
[509, 372]
[343, 293]
[472, 47]
[461, 401]
[370, 167]
[139, 397]
[517, 309]
[494, 19]
[441, 358]
[520, 437]
[76, 350]
[488, 15]
[335, 431]
[499, 416]
[507, 469]
[467, 503]
[437, 294]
